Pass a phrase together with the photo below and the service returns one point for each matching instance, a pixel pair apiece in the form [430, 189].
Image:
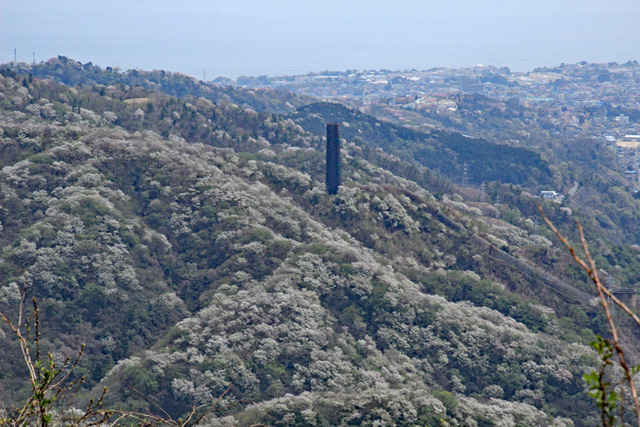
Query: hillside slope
[183, 265]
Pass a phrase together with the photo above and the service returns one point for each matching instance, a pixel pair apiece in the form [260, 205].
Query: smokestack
[333, 158]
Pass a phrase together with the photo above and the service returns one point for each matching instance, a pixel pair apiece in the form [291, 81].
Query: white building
[550, 195]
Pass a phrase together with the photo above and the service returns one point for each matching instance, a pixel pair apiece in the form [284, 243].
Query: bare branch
[145, 397]
[591, 270]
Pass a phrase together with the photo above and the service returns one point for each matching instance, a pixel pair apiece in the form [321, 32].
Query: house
[549, 194]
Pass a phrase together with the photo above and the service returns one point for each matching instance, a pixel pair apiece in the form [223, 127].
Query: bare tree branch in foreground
[590, 267]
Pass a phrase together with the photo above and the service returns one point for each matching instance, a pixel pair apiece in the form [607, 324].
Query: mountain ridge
[222, 254]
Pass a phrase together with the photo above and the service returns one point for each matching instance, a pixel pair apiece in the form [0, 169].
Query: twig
[145, 397]
[50, 384]
[602, 291]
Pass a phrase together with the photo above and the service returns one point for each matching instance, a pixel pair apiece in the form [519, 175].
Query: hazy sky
[254, 37]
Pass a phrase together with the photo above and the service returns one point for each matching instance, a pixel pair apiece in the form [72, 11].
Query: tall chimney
[333, 158]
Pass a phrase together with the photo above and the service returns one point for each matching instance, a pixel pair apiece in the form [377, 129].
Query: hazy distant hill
[70, 72]
[188, 242]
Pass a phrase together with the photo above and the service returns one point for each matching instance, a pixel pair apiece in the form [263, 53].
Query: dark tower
[333, 158]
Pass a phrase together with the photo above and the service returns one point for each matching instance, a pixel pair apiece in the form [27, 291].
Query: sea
[230, 38]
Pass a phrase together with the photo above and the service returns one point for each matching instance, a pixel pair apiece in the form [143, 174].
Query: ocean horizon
[284, 37]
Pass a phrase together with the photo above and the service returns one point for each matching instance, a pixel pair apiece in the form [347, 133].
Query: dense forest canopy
[189, 240]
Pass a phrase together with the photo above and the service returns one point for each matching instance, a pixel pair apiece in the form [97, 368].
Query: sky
[283, 37]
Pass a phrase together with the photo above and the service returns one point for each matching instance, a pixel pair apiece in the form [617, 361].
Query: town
[569, 101]
[573, 97]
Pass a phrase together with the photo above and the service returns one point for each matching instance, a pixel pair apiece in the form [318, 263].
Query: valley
[183, 232]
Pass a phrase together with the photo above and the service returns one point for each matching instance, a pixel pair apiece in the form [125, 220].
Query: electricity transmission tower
[465, 177]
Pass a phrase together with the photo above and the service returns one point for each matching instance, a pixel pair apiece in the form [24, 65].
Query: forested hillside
[190, 243]
[445, 152]
[609, 202]
[70, 72]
